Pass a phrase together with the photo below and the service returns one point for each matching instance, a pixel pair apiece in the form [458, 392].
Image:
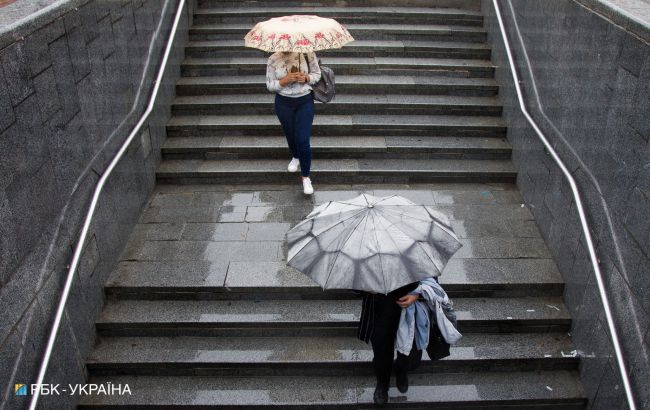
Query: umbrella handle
[304, 55]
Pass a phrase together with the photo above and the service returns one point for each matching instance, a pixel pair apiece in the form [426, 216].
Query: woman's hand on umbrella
[406, 301]
[292, 78]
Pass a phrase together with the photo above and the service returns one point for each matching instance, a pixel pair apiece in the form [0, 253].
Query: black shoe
[381, 395]
[402, 381]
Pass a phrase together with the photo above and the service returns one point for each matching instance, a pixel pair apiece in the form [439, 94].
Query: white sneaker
[306, 186]
[293, 165]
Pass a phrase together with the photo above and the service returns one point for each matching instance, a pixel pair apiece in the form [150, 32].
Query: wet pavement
[209, 236]
[439, 389]
[203, 308]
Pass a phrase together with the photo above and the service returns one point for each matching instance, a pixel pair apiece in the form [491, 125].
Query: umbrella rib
[447, 228]
[417, 242]
[396, 247]
[338, 252]
[315, 260]
[361, 241]
[342, 220]
[383, 275]
[431, 259]
[331, 227]
[383, 198]
[387, 209]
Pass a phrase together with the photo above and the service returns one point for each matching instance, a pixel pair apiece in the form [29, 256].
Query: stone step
[221, 269]
[253, 104]
[472, 6]
[250, 147]
[337, 171]
[357, 124]
[235, 66]
[344, 15]
[232, 31]
[347, 84]
[360, 48]
[318, 356]
[558, 389]
[460, 201]
[293, 318]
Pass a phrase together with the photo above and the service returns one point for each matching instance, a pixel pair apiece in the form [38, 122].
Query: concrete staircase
[202, 311]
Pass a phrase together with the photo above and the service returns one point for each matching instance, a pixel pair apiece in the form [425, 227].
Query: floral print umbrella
[298, 33]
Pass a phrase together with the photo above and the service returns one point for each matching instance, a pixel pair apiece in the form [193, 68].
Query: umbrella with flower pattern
[298, 33]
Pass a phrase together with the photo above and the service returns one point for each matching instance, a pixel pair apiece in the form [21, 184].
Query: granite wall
[73, 82]
[593, 85]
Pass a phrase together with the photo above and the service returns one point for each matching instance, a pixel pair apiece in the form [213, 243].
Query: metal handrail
[93, 205]
[581, 212]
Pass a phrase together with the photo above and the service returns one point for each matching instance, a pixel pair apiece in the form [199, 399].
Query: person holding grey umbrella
[383, 247]
[401, 321]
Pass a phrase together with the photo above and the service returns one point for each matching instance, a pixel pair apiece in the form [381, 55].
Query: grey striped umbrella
[371, 244]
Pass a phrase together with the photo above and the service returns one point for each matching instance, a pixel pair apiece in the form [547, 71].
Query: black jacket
[438, 348]
[364, 331]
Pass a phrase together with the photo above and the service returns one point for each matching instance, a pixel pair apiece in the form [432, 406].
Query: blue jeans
[296, 115]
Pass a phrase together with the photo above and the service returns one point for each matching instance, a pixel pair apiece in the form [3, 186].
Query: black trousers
[385, 321]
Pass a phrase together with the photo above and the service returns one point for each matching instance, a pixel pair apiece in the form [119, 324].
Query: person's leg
[386, 320]
[403, 364]
[285, 112]
[383, 349]
[304, 119]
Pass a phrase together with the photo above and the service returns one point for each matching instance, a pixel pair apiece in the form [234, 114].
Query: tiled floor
[234, 236]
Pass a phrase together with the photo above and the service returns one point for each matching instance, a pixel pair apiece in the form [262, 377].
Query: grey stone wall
[72, 86]
[593, 82]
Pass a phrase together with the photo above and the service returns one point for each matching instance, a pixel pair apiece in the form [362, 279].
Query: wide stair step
[331, 147]
[503, 267]
[530, 390]
[344, 15]
[232, 31]
[337, 170]
[360, 48]
[226, 66]
[387, 104]
[359, 124]
[318, 317]
[346, 84]
[470, 6]
[318, 355]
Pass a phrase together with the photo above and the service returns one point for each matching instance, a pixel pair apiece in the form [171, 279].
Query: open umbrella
[298, 33]
[372, 244]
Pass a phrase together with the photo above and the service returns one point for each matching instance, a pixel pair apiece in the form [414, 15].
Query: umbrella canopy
[372, 244]
[299, 33]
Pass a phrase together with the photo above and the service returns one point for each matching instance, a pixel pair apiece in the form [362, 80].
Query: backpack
[324, 88]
